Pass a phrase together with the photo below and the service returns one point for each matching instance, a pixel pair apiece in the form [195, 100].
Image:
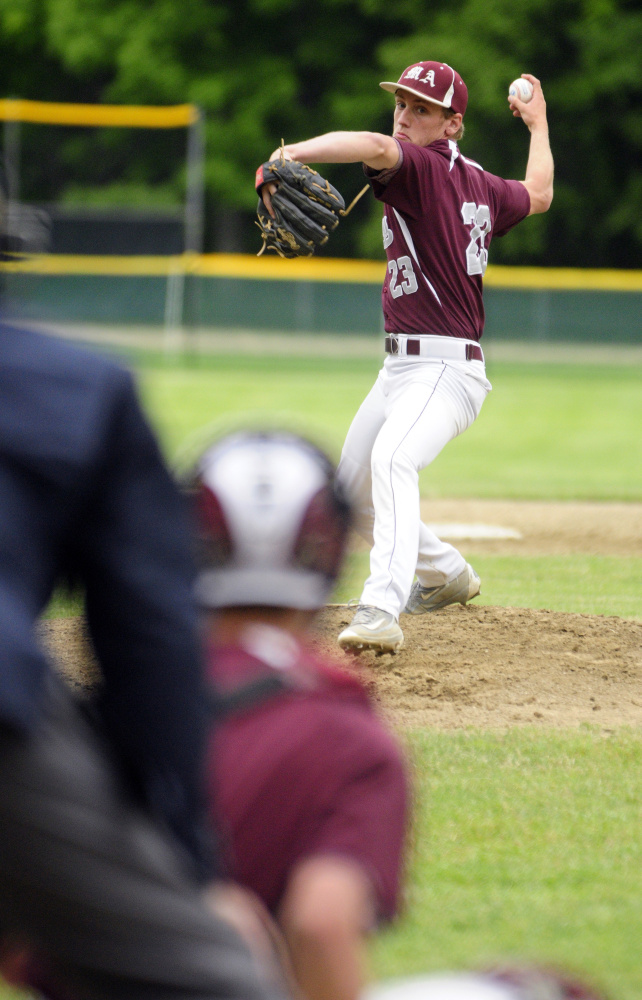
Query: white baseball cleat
[460, 590]
[372, 628]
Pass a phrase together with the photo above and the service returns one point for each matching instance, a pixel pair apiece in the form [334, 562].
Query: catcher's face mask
[271, 522]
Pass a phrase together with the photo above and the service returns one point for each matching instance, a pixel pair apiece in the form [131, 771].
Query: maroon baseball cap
[434, 81]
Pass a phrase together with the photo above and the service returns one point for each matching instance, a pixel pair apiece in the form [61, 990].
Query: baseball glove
[306, 207]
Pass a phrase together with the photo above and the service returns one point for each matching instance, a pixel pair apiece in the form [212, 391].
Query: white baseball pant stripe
[413, 410]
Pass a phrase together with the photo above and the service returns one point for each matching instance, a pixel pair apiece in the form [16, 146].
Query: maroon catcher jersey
[441, 212]
[306, 773]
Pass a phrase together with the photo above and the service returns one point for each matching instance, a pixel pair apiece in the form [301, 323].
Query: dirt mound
[499, 667]
[549, 528]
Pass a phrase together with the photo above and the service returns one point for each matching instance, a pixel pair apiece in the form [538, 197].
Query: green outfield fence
[322, 295]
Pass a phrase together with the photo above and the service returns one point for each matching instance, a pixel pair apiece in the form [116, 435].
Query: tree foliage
[266, 69]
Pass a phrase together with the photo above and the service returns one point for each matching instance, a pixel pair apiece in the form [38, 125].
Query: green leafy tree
[266, 69]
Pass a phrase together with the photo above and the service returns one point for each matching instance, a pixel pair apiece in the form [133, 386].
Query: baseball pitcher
[440, 213]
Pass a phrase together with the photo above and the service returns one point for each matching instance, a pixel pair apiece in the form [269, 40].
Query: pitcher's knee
[386, 462]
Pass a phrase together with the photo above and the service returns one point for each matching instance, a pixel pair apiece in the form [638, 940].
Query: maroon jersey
[441, 213]
[305, 773]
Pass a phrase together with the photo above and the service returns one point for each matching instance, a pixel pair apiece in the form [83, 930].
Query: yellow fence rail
[122, 115]
[332, 270]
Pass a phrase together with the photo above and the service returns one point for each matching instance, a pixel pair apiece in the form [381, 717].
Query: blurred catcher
[310, 787]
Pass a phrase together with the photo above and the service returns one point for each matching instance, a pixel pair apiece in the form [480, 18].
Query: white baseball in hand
[522, 89]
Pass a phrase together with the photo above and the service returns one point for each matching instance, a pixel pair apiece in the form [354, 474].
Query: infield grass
[580, 584]
[526, 847]
[590, 585]
[558, 432]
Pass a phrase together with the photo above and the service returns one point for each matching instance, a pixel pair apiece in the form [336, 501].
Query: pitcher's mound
[499, 667]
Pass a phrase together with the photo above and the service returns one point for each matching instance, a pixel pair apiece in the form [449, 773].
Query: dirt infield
[490, 667]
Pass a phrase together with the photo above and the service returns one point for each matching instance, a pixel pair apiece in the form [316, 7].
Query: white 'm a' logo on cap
[415, 74]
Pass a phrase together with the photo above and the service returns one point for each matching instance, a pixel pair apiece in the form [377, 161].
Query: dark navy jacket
[84, 494]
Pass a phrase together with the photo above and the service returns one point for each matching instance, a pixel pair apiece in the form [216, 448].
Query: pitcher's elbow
[541, 201]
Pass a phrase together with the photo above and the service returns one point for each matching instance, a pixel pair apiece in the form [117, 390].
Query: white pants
[415, 407]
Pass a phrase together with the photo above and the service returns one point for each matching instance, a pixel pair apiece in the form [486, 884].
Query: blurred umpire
[101, 851]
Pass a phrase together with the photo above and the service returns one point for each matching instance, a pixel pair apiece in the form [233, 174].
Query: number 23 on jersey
[402, 275]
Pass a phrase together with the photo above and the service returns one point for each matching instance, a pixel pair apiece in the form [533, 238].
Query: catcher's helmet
[505, 983]
[271, 522]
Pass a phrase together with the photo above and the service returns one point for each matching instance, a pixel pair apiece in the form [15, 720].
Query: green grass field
[526, 845]
[526, 848]
[546, 432]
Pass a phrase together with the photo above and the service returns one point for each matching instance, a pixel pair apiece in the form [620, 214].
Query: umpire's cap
[271, 522]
